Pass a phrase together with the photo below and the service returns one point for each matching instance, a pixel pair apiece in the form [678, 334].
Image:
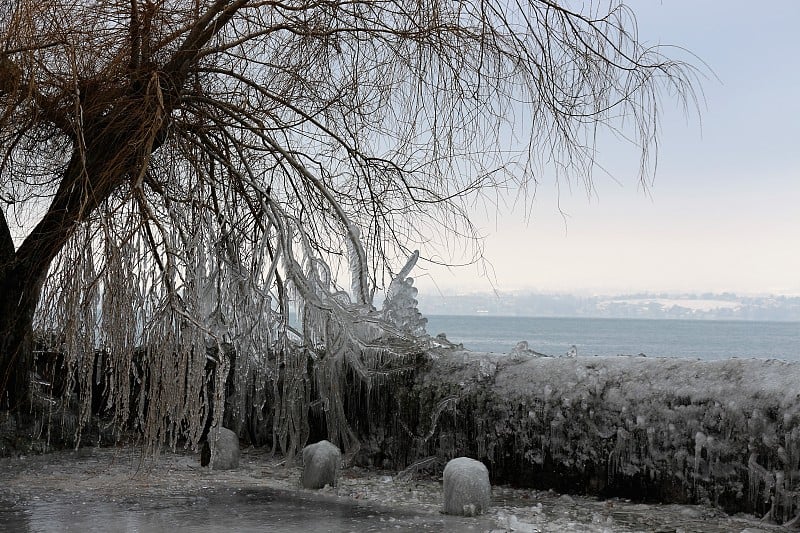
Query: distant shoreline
[562, 317]
[706, 306]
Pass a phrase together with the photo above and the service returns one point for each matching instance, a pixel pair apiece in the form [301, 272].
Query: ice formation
[725, 432]
[212, 340]
[671, 430]
[400, 306]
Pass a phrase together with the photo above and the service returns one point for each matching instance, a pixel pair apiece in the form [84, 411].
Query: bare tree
[177, 173]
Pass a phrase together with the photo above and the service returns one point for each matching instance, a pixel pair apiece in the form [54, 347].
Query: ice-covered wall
[672, 430]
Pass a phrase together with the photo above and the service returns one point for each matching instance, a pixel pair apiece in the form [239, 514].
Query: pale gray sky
[724, 211]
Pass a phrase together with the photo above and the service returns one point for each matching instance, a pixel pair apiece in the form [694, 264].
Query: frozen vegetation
[723, 433]
[726, 433]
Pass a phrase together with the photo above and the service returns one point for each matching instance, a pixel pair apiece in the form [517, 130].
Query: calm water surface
[701, 339]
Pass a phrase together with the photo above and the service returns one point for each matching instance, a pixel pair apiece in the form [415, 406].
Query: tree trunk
[18, 303]
[23, 272]
[118, 140]
[21, 280]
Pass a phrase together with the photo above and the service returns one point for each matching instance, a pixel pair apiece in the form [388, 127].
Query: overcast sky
[724, 211]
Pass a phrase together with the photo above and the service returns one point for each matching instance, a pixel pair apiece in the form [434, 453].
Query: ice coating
[400, 306]
[672, 430]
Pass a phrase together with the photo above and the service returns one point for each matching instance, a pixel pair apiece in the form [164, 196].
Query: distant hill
[726, 306]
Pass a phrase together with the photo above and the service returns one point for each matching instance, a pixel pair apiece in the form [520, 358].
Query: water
[266, 509]
[255, 509]
[700, 339]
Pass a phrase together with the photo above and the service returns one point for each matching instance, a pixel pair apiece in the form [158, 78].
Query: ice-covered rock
[441, 341]
[226, 452]
[522, 349]
[467, 490]
[321, 464]
[573, 351]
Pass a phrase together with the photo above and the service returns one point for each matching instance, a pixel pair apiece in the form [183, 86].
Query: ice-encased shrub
[656, 429]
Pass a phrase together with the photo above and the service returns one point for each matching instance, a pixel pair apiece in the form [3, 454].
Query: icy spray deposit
[669, 430]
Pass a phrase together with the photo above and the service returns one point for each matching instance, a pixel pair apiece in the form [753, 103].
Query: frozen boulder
[523, 350]
[320, 465]
[467, 490]
[226, 450]
[573, 351]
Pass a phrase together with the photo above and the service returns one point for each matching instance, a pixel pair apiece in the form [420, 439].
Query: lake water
[700, 339]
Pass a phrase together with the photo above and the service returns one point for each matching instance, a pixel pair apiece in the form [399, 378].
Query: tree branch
[204, 30]
[9, 75]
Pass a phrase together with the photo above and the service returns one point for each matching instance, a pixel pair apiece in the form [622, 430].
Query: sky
[723, 212]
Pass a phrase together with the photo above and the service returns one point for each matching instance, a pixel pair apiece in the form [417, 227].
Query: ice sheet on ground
[129, 489]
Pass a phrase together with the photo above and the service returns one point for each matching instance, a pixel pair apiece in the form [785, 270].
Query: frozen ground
[113, 489]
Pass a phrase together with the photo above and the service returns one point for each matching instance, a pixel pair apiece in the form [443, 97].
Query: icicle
[358, 266]
[699, 442]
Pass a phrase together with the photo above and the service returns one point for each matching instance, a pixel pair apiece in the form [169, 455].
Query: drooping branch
[204, 169]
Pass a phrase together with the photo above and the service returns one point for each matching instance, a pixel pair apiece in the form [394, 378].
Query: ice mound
[656, 429]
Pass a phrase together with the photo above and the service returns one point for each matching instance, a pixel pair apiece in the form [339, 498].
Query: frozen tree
[400, 306]
[174, 175]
